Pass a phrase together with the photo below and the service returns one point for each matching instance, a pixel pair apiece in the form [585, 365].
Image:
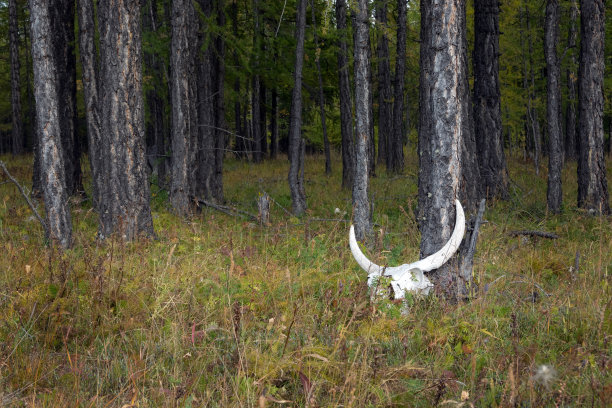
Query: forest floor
[220, 311]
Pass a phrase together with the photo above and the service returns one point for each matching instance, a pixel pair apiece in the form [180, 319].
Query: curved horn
[361, 259]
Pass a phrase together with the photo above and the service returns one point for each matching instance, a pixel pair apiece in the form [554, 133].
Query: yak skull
[411, 277]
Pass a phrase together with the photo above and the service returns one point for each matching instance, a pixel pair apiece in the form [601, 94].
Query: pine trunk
[346, 114]
[385, 94]
[361, 207]
[124, 200]
[592, 183]
[554, 195]
[396, 147]
[17, 129]
[487, 100]
[296, 153]
[53, 174]
[570, 114]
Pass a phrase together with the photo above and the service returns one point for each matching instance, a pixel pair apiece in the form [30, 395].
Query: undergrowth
[220, 311]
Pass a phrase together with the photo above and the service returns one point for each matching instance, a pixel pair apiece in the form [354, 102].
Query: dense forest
[163, 155]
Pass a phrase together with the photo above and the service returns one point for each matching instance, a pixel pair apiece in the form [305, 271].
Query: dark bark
[592, 183]
[124, 200]
[363, 118]
[274, 125]
[89, 62]
[570, 114]
[63, 41]
[396, 146]
[219, 103]
[184, 114]
[444, 112]
[554, 196]
[255, 101]
[328, 168]
[296, 153]
[385, 94]
[487, 100]
[48, 119]
[17, 129]
[263, 110]
[346, 114]
[240, 144]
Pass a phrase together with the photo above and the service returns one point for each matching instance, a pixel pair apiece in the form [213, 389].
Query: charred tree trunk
[321, 95]
[17, 129]
[396, 147]
[487, 100]
[385, 95]
[124, 201]
[346, 114]
[361, 205]
[48, 113]
[296, 153]
[570, 114]
[89, 61]
[554, 196]
[592, 183]
[183, 97]
[443, 117]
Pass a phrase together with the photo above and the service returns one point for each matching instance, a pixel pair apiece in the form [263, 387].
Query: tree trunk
[240, 144]
[48, 119]
[385, 95]
[487, 100]
[274, 125]
[263, 131]
[361, 205]
[346, 114]
[396, 146]
[443, 117]
[17, 129]
[296, 153]
[328, 168]
[592, 183]
[255, 102]
[124, 201]
[183, 97]
[89, 62]
[219, 103]
[533, 122]
[554, 196]
[570, 115]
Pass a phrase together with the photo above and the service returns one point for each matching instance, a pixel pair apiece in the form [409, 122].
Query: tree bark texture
[62, 30]
[487, 100]
[296, 153]
[443, 117]
[87, 50]
[385, 94]
[184, 99]
[395, 156]
[17, 129]
[570, 113]
[346, 114]
[554, 196]
[361, 205]
[53, 175]
[592, 183]
[328, 168]
[124, 201]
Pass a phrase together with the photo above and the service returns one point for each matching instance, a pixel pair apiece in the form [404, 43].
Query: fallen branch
[14, 181]
[227, 210]
[534, 233]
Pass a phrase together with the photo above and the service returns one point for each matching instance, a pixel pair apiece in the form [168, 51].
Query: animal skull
[411, 277]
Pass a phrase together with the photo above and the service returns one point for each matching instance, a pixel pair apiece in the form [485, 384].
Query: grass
[219, 311]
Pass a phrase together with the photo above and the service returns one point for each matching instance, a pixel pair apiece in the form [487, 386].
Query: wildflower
[545, 375]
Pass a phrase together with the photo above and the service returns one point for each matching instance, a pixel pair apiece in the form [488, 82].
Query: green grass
[219, 311]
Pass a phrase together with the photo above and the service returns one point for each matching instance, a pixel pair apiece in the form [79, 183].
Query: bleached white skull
[411, 277]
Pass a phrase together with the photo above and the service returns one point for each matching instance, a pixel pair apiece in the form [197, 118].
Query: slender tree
[184, 113]
[255, 94]
[296, 152]
[48, 120]
[346, 114]
[124, 201]
[361, 208]
[17, 129]
[395, 162]
[385, 94]
[443, 117]
[487, 99]
[554, 195]
[592, 183]
[570, 113]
